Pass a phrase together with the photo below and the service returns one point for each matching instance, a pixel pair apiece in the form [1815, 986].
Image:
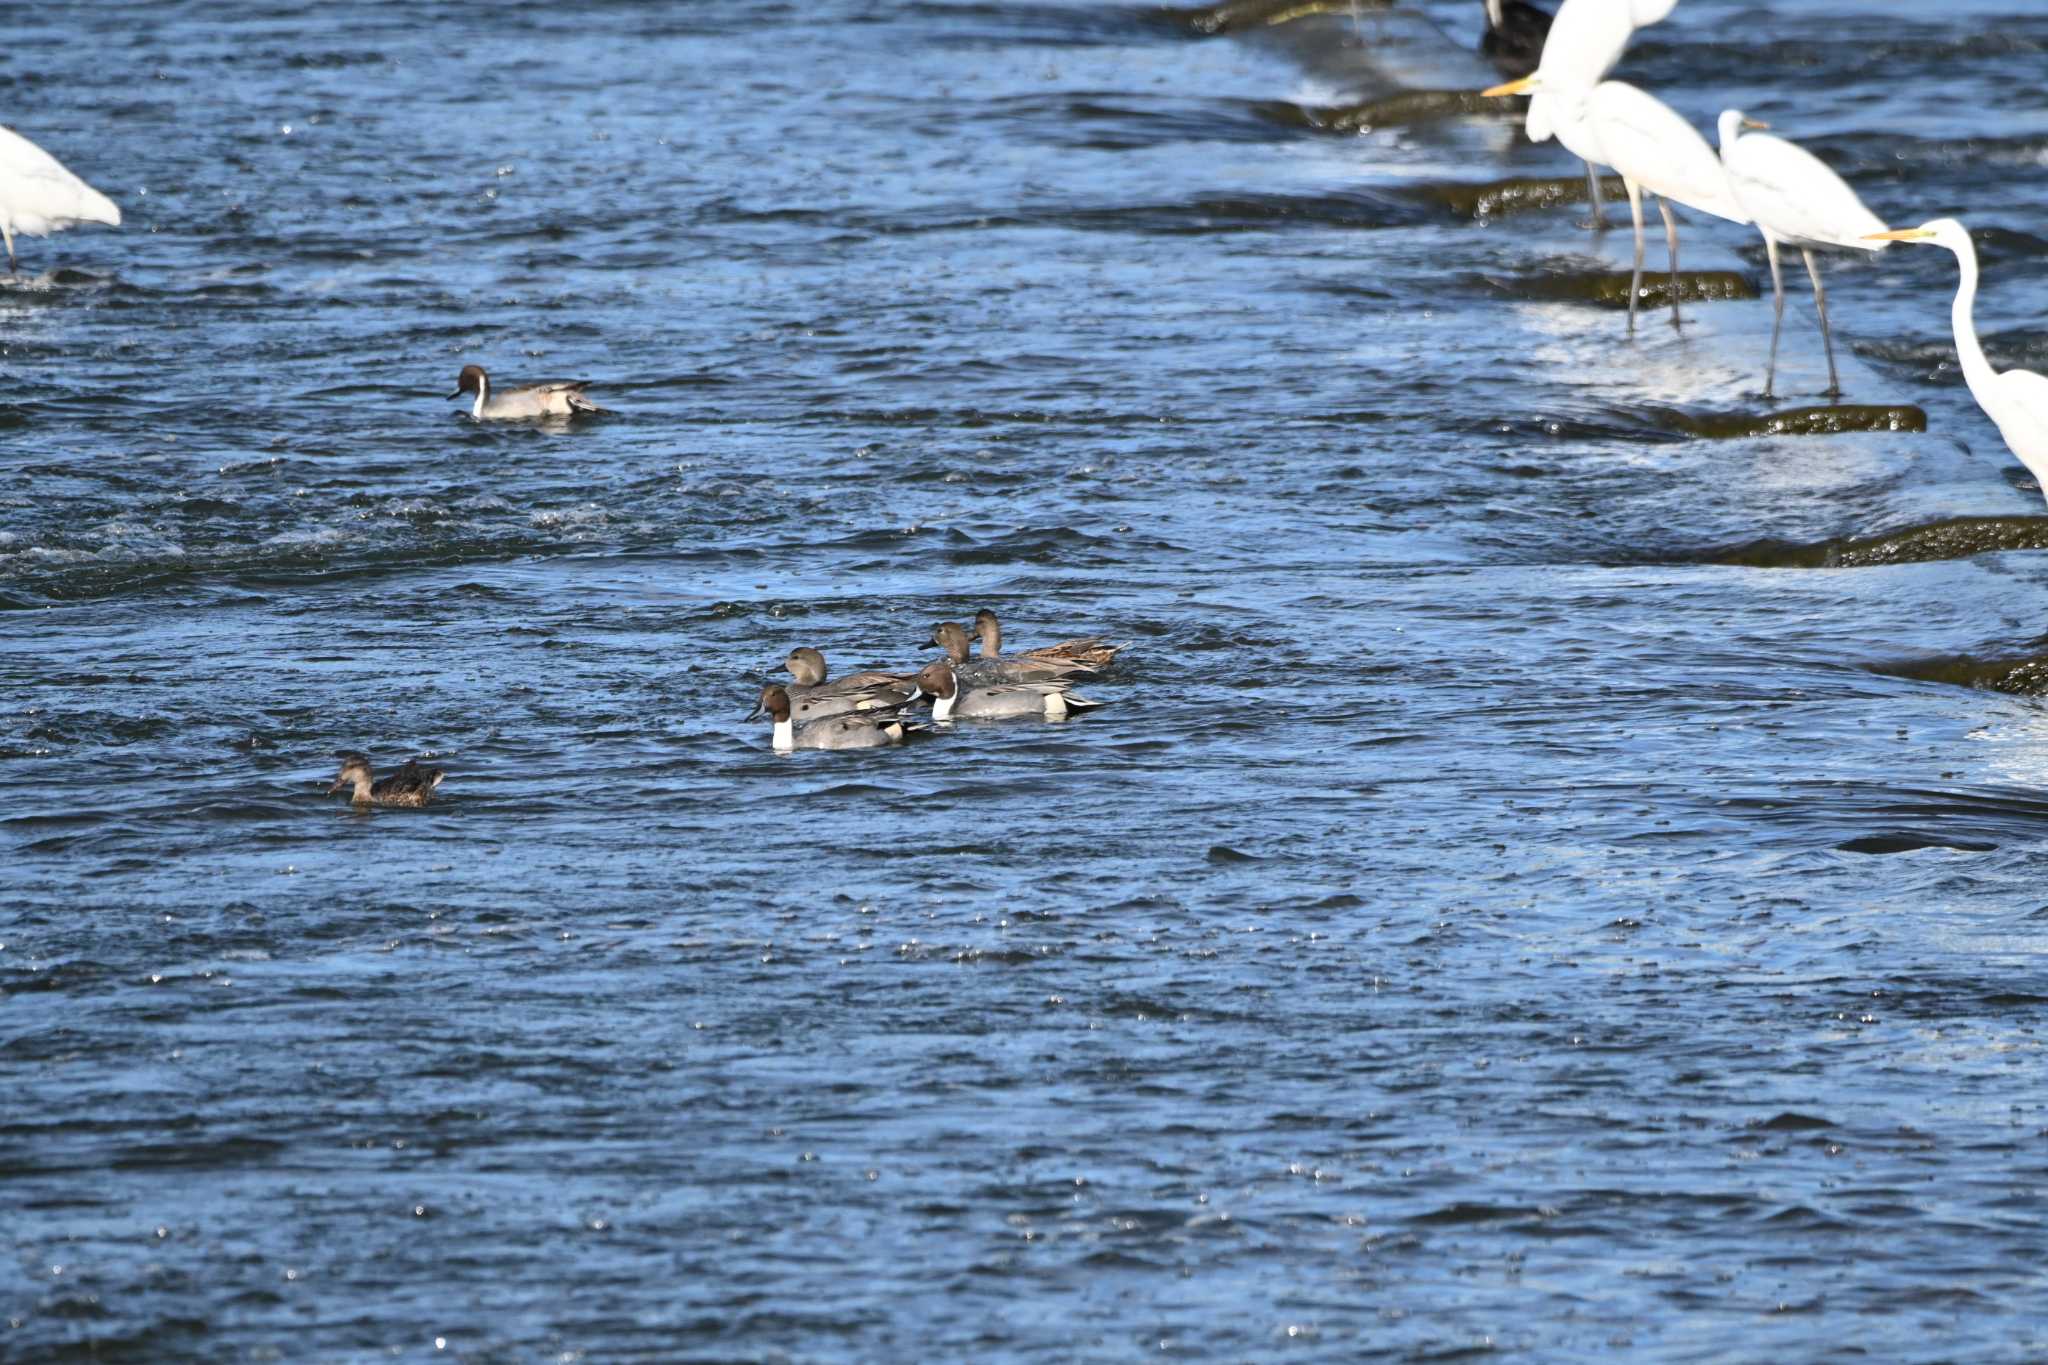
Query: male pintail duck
[1092, 652]
[411, 785]
[987, 672]
[857, 731]
[564, 399]
[813, 698]
[950, 701]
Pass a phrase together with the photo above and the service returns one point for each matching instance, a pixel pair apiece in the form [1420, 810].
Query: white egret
[1795, 200]
[1586, 39]
[38, 196]
[1564, 115]
[2016, 401]
[1654, 149]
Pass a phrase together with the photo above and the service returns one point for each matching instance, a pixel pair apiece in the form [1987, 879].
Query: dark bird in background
[1514, 37]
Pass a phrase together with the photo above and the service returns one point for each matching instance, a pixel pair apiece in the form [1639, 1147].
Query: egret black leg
[1671, 240]
[1635, 283]
[1777, 315]
[1820, 305]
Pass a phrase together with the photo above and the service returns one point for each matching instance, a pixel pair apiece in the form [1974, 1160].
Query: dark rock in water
[1231, 16]
[1492, 198]
[1911, 843]
[2025, 675]
[1826, 420]
[1410, 106]
[1957, 538]
[1611, 290]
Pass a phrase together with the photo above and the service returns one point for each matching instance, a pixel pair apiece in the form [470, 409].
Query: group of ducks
[1790, 195]
[868, 710]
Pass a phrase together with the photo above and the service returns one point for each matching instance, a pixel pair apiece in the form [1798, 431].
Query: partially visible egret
[1796, 201]
[1586, 39]
[1565, 102]
[2017, 401]
[1515, 31]
[39, 197]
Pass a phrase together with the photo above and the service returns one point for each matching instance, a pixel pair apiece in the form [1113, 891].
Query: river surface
[1482, 924]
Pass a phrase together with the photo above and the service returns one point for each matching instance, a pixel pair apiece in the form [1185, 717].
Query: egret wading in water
[1586, 39]
[1654, 149]
[2017, 400]
[38, 196]
[1795, 200]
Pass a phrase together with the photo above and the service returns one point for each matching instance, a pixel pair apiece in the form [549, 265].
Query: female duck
[1092, 652]
[989, 672]
[411, 785]
[812, 697]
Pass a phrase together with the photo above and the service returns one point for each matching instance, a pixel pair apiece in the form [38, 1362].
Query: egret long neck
[1977, 371]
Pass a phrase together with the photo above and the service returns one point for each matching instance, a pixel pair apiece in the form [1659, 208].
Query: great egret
[2017, 401]
[38, 196]
[1586, 39]
[1654, 149]
[1515, 31]
[1564, 117]
[1796, 201]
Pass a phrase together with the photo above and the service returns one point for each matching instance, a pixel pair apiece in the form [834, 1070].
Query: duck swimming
[950, 701]
[852, 731]
[561, 399]
[811, 697]
[1092, 652]
[411, 785]
[989, 672]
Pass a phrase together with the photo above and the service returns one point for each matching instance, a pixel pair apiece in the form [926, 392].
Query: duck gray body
[1092, 652]
[988, 672]
[813, 697]
[1002, 701]
[411, 785]
[855, 731]
[564, 398]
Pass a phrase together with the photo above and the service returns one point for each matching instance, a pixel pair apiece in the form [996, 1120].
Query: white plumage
[1587, 37]
[1654, 148]
[1796, 201]
[2017, 400]
[38, 196]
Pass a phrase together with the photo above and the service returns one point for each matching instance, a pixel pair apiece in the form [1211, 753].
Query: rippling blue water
[1481, 923]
